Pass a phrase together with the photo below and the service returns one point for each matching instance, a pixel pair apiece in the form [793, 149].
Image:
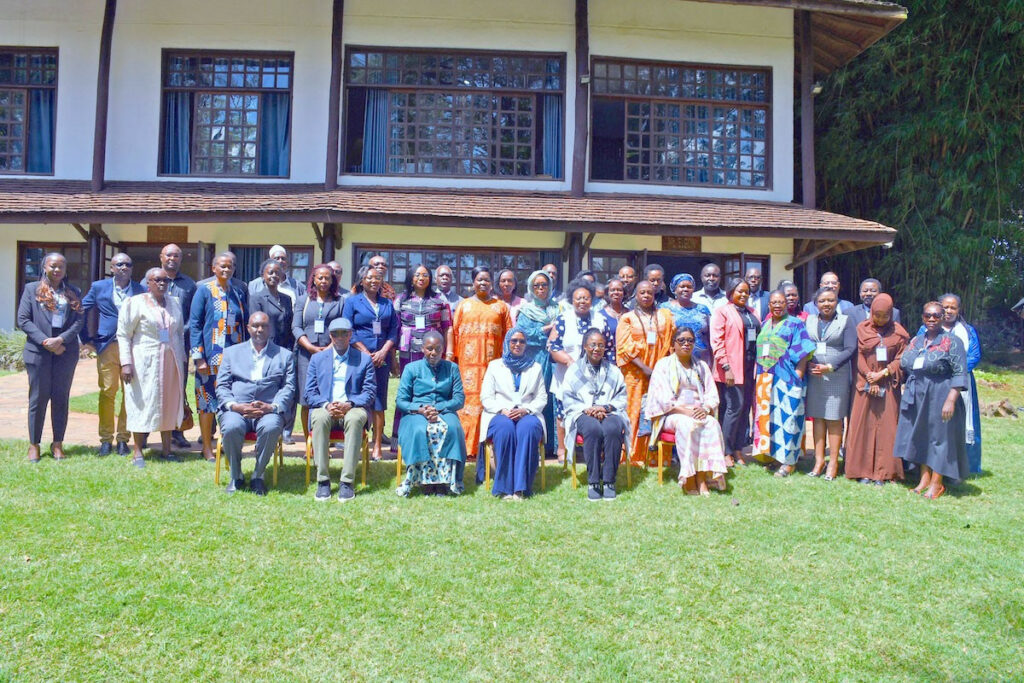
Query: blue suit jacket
[759, 302]
[360, 382]
[234, 383]
[98, 305]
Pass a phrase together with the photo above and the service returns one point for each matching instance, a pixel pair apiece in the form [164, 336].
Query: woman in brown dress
[876, 397]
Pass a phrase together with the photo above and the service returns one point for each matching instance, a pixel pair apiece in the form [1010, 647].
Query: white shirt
[121, 294]
[712, 302]
[259, 362]
[338, 393]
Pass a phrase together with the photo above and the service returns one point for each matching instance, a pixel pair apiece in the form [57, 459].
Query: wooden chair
[489, 455]
[579, 444]
[250, 437]
[337, 435]
[666, 442]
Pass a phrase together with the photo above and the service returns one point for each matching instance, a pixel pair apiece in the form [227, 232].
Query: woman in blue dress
[536, 318]
[615, 304]
[375, 333]
[687, 313]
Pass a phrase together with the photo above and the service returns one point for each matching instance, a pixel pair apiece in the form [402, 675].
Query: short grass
[111, 573]
[87, 403]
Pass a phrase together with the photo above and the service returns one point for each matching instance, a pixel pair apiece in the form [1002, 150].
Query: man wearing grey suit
[255, 389]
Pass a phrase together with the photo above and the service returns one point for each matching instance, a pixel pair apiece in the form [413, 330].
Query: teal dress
[434, 452]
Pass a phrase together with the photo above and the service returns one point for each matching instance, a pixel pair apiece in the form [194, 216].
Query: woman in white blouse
[513, 398]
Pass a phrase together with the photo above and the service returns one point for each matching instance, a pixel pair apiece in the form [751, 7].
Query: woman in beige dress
[149, 337]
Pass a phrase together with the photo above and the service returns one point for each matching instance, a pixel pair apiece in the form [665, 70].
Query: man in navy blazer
[101, 306]
[255, 390]
[758, 299]
[340, 388]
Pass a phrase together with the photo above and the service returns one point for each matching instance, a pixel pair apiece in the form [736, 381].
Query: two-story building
[583, 132]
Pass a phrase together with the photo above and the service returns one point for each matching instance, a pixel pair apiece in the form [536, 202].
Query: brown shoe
[57, 448]
[33, 453]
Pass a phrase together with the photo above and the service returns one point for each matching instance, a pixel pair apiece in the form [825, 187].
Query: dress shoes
[179, 440]
[235, 485]
[106, 448]
[258, 487]
[122, 448]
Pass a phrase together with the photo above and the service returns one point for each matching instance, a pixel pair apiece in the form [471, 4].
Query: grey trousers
[353, 423]
[233, 428]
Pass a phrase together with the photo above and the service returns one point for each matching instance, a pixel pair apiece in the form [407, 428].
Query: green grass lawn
[112, 573]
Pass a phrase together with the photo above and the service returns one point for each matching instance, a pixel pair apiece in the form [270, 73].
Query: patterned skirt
[436, 470]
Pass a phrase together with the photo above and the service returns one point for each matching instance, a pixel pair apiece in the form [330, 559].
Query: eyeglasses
[160, 279]
[929, 316]
[517, 342]
[595, 347]
[540, 285]
[685, 342]
[122, 264]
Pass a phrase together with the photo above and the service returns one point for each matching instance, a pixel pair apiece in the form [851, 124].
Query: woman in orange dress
[642, 338]
[480, 324]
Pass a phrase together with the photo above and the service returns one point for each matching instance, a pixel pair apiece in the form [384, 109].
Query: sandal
[783, 471]
[936, 494]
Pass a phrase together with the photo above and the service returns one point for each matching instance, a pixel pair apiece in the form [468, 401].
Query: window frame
[166, 53]
[651, 99]
[292, 250]
[347, 86]
[55, 51]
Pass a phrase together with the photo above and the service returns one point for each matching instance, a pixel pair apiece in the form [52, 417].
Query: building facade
[590, 133]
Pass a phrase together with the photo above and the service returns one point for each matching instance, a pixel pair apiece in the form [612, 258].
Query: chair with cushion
[579, 444]
[250, 437]
[489, 457]
[337, 436]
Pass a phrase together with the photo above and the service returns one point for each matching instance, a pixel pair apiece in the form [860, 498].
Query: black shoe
[235, 485]
[594, 493]
[287, 439]
[258, 487]
[171, 457]
[345, 492]
[609, 491]
[323, 490]
[122, 448]
[179, 440]
[106, 448]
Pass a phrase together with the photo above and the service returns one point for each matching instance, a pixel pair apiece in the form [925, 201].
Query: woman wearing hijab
[783, 349]
[536, 319]
[430, 436]
[876, 400]
[594, 396]
[688, 313]
[513, 397]
[682, 398]
[932, 417]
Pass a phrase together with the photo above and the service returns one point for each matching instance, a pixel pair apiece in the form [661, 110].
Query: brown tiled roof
[41, 201]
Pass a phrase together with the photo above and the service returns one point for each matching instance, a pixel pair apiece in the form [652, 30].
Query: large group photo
[380, 341]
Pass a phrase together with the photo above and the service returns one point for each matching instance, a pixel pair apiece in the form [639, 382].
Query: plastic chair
[489, 454]
[250, 437]
[579, 444]
[337, 435]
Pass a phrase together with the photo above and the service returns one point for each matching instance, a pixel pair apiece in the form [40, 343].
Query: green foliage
[11, 345]
[924, 132]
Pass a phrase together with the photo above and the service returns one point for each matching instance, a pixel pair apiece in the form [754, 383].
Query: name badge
[231, 319]
[652, 337]
[421, 322]
[821, 348]
[165, 336]
[318, 327]
[881, 354]
[751, 334]
[689, 397]
[919, 363]
[57, 320]
[376, 328]
[765, 348]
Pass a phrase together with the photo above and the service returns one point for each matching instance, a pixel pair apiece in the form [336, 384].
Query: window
[226, 114]
[28, 102]
[681, 124]
[461, 261]
[30, 256]
[250, 258]
[606, 264]
[454, 113]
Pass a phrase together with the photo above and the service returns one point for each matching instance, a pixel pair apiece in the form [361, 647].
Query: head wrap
[540, 310]
[868, 335]
[681, 277]
[516, 363]
[277, 249]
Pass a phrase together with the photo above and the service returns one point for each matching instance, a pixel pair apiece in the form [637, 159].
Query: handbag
[187, 422]
[644, 426]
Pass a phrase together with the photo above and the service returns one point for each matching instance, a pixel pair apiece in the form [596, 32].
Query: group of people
[607, 369]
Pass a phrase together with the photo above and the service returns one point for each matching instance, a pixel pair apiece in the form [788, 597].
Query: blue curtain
[249, 260]
[40, 131]
[275, 140]
[552, 150]
[177, 142]
[375, 131]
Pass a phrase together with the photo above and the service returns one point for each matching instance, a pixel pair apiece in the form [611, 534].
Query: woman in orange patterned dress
[642, 338]
[480, 324]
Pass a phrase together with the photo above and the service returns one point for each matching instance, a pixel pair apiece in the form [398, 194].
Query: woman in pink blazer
[734, 329]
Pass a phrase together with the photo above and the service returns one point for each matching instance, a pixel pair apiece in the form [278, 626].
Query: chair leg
[629, 468]
[309, 456]
[277, 454]
[216, 471]
[398, 468]
[661, 463]
[366, 460]
[542, 483]
[488, 452]
[574, 482]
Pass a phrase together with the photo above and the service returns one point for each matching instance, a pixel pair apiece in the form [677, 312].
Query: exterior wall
[10, 235]
[74, 28]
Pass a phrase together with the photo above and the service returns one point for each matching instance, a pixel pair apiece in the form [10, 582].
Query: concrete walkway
[82, 427]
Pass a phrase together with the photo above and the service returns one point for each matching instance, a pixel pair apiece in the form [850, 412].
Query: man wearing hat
[255, 390]
[290, 287]
[340, 389]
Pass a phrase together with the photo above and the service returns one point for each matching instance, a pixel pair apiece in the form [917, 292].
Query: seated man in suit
[101, 306]
[340, 389]
[255, 389]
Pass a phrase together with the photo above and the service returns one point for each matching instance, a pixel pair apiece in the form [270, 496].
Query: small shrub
[11, 345]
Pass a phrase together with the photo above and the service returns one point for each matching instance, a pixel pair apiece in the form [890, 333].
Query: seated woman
[594, 402]
[430, 436]
[932, 418]
[513, 397]
[681, 398]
